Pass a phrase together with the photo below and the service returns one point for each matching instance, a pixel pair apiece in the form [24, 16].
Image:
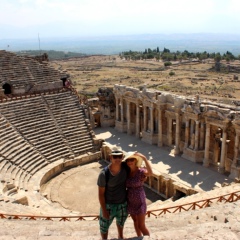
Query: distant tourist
[136, 197]
[112, 194]
[67, 83]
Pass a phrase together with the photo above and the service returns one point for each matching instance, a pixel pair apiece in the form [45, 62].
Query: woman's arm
[149, 171]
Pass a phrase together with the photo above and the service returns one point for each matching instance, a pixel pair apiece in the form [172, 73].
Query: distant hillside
[109, 45]
[52, 55]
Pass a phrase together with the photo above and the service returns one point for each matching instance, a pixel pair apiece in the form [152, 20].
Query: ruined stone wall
[198, 130]
[106, 107]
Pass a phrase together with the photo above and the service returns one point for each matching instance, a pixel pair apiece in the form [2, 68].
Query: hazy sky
[54, 18]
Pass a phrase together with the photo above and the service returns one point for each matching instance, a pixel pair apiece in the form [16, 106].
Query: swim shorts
[118, 211]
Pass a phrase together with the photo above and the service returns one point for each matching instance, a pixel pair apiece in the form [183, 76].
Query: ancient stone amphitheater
[47, 130]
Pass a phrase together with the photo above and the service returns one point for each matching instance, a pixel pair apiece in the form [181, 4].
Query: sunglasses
[130, 160]
[117, 156]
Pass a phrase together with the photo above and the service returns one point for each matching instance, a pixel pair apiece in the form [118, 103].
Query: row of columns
[224, 142]
[148, 116]
[148, 121]
[194, 134]
[197, 136]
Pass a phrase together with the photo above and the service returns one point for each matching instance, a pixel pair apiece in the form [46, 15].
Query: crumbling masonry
[198, 130]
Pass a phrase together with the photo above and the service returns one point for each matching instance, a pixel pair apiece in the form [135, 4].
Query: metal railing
[231, 197]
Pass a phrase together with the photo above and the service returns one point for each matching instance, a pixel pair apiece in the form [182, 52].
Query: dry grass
[90, 73]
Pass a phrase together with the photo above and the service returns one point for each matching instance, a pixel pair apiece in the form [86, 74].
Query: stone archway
[64, 79]
[7, 88]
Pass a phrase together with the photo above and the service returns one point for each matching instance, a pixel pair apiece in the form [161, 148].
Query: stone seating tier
[37, 134]
[23, 155]
[4, 168]
[19, 152]
[15, 174]
[22, 69]
[13, 149]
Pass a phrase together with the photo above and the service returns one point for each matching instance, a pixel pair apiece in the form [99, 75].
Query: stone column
[137, 120]
[117, 109]
[150, 181]
[145, 118]
[128, 119]
[202, 135]
[236, 150]
[167, 187]
[235, 174]
[192, 136]
[223, 151]
[160, 137]
[196, 135]
[177, 137]
[186, 133]
[169, 131]
[151, 120]
[122, 116]
[158, 185]
[207, 144]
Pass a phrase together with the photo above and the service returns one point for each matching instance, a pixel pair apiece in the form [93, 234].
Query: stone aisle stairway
[32, 120]
[69, 117]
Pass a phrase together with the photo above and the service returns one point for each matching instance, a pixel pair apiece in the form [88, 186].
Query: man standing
[112, 194]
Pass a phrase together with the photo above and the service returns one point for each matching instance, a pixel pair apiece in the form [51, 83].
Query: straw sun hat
[132, 155]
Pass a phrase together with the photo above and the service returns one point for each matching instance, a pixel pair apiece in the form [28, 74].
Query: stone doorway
[7, 88]
[173, 131]
[178, 195]
[64, 81]
[217, 147]
[97, 120]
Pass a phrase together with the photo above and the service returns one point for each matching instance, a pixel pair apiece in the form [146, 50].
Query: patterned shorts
[118, 211]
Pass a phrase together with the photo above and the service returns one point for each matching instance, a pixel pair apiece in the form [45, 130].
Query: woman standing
[137, 206]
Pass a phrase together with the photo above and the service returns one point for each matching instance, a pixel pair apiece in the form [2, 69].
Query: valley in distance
[186, 77]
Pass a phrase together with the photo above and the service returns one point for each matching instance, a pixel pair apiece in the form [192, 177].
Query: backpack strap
[107, 174]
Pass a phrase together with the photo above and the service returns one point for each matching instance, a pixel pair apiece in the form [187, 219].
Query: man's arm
[101, 197]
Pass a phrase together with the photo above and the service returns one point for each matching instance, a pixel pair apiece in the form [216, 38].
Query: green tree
[165, 50]
[217, 60]
[150, 50]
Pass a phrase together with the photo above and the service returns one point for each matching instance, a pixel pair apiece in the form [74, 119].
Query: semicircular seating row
[37, 131]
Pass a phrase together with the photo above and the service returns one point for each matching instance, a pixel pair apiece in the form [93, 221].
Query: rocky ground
[190, 78]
